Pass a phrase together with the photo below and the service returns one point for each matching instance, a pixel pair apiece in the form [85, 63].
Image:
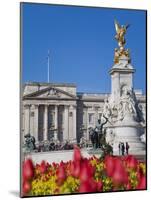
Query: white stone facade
[58, 112]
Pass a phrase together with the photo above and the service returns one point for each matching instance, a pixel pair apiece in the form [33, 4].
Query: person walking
[119, 146]
[123, 149]
[127, 148]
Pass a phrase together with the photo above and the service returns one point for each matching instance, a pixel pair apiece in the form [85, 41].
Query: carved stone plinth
[129, 131]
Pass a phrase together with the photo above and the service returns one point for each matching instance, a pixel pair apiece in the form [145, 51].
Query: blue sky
[81, 43]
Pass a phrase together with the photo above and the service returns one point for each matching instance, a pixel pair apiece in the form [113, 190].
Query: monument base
[129, 131]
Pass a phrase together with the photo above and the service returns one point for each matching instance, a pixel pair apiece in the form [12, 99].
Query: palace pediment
[50, 93]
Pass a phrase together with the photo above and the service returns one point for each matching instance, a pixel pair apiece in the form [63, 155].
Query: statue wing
[117, 26]
[127, 26]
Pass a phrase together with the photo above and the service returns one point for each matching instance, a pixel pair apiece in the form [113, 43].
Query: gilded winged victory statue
[120, 33]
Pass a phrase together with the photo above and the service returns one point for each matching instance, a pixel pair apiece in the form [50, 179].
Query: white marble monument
[122, 110]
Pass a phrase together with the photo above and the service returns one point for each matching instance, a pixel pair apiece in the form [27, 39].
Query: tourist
[119, 146]
[127, 148]
[123, 148]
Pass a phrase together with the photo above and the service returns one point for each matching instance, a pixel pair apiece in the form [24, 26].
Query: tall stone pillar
[115, 86]
[72, 123]
[56, 123]
[66, 123]
[36, 123]
[121, 75]
[87, 120]
[27, 119]
[32, 120]
[96, 115]
[46, 122]
[85, 131]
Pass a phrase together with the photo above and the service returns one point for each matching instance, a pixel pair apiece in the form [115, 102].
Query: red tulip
[84, 174]
[77, 154]
[43, 167]
[109, 164]
[88, 186]
[75, 169]
[93, 184]
[128, 186]
[61, 175]
[85, 187]
[131, 162]
[99, 186]
[120, 175]
[62, 163]
[28, 169]
[26, 187]
[142, 184]
[54, 164]
[86, 171]
[139, 174]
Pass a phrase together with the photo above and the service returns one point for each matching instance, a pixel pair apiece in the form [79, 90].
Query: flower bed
[82, 175]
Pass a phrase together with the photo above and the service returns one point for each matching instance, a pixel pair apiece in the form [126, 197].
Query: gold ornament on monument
[120, 33]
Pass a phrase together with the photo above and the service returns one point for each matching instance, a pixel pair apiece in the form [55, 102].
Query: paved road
[66, 155]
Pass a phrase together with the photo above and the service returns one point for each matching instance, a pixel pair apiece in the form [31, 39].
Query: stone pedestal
[129, 131]
[123, 108]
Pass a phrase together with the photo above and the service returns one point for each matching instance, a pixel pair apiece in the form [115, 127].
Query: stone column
[87, 122]
[115, 86]
[74, 122]
[96, 115]
[36, 123]
[32, 123]
[56, 123]
[46, 122]
[22, 123]
[66, 123]
[27, 119]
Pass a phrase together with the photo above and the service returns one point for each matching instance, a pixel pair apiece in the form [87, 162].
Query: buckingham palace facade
[58, 112]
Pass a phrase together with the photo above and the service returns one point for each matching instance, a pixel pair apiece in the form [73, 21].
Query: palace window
[91, 118]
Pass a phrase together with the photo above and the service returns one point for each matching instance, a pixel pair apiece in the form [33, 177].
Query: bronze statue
[29, 143]
[96, 134]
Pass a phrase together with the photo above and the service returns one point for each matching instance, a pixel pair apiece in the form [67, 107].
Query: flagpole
[48, 65]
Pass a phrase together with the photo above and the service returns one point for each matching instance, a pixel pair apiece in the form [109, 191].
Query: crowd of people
[52, 146]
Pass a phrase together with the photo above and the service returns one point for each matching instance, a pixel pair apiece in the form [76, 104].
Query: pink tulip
[99, 186]
[88, 186]
[26, 187]
[61, 175]
[75, 169]
[131, 162]
[120, 175]
[142, 184]
[77, 154]
[109, 165]
[28, 170]
[43, 167]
